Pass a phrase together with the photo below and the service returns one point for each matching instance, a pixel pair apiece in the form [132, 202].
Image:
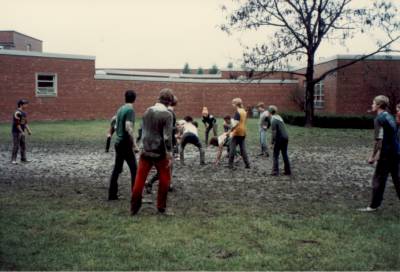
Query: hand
[29, 132]
[371, 160]
[169, 158]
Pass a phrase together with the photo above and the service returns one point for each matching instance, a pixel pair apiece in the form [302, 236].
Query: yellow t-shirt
[240, 129]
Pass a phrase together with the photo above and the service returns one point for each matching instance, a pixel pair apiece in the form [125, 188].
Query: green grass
[65, 231]
[95, 131]
[46, 233]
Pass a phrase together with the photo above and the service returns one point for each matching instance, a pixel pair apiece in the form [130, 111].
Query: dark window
[46, 84]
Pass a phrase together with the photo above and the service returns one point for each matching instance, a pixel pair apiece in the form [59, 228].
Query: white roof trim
[218, 75]
[353, 57]
[117, 72]
[44, 55]
[194, 80]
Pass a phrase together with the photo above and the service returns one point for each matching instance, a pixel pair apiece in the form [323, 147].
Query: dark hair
[22, 102]
[214, 141]
[175, 101]
[166, 97]
[227, 117]
[130, 96]
[188, 119]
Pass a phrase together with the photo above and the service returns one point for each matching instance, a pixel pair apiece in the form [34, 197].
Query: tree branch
[379, 50]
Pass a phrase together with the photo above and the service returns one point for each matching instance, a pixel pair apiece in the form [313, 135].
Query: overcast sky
[137, 34]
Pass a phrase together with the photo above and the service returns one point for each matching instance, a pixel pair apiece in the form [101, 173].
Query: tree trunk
[309, 107]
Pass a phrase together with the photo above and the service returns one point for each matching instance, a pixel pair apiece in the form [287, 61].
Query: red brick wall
[80, 96]
[193, 96]
[75, 87]
[360, 83]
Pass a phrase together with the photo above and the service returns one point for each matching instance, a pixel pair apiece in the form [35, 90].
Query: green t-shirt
[125, 113]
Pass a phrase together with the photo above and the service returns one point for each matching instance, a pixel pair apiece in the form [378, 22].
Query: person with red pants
[156, 150]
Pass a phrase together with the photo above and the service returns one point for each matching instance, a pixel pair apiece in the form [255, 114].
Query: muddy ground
[321, 174]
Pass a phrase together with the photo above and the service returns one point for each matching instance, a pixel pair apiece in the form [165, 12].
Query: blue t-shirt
[386, 130]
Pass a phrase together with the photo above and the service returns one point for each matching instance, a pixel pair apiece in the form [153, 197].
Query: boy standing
[263, 124]
[125, 144]
[19, 126]
[156, 150]
[279, 142]
[386, 153]
[238, 133]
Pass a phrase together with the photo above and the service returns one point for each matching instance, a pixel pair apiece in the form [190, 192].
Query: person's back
[278, 128]
[124, 113]
[157, 127]
[188, 127]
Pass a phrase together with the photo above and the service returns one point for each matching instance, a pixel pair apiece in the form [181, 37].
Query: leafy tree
[186, 69]
[213, 70]
[230, 66]
[299, 27]
[200, 71]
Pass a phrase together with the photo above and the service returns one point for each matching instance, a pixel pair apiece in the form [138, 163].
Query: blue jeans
[263, 140]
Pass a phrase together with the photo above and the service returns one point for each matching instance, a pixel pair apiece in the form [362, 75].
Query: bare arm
[28, 129]
[376, 152]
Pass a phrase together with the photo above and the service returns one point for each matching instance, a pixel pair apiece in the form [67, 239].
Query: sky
[139, 34]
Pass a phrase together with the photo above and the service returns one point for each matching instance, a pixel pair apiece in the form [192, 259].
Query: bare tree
[298, 27]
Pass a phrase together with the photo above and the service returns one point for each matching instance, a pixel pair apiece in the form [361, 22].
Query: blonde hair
[260, 105]
[382, 101]
[237, 102]
[204, 111]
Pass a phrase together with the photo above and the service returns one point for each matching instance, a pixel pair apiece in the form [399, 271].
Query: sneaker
[14, 162]
[267, 155]
[165, 212]
[367, 209]
[171, 188]
[247, 167]
[274, 174]
[261, 154]
[25, 161]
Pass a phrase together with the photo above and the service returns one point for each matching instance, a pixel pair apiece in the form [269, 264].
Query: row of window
[46, 85]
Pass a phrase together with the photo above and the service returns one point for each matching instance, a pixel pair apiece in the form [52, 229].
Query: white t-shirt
[189, 128]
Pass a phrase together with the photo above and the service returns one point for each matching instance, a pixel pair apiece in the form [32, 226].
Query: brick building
[62, 87]
[14, 40]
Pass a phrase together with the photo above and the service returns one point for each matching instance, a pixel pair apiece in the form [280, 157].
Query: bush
[330, 120]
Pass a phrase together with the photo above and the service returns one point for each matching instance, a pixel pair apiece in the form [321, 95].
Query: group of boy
[235, 133]
[160, 133]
